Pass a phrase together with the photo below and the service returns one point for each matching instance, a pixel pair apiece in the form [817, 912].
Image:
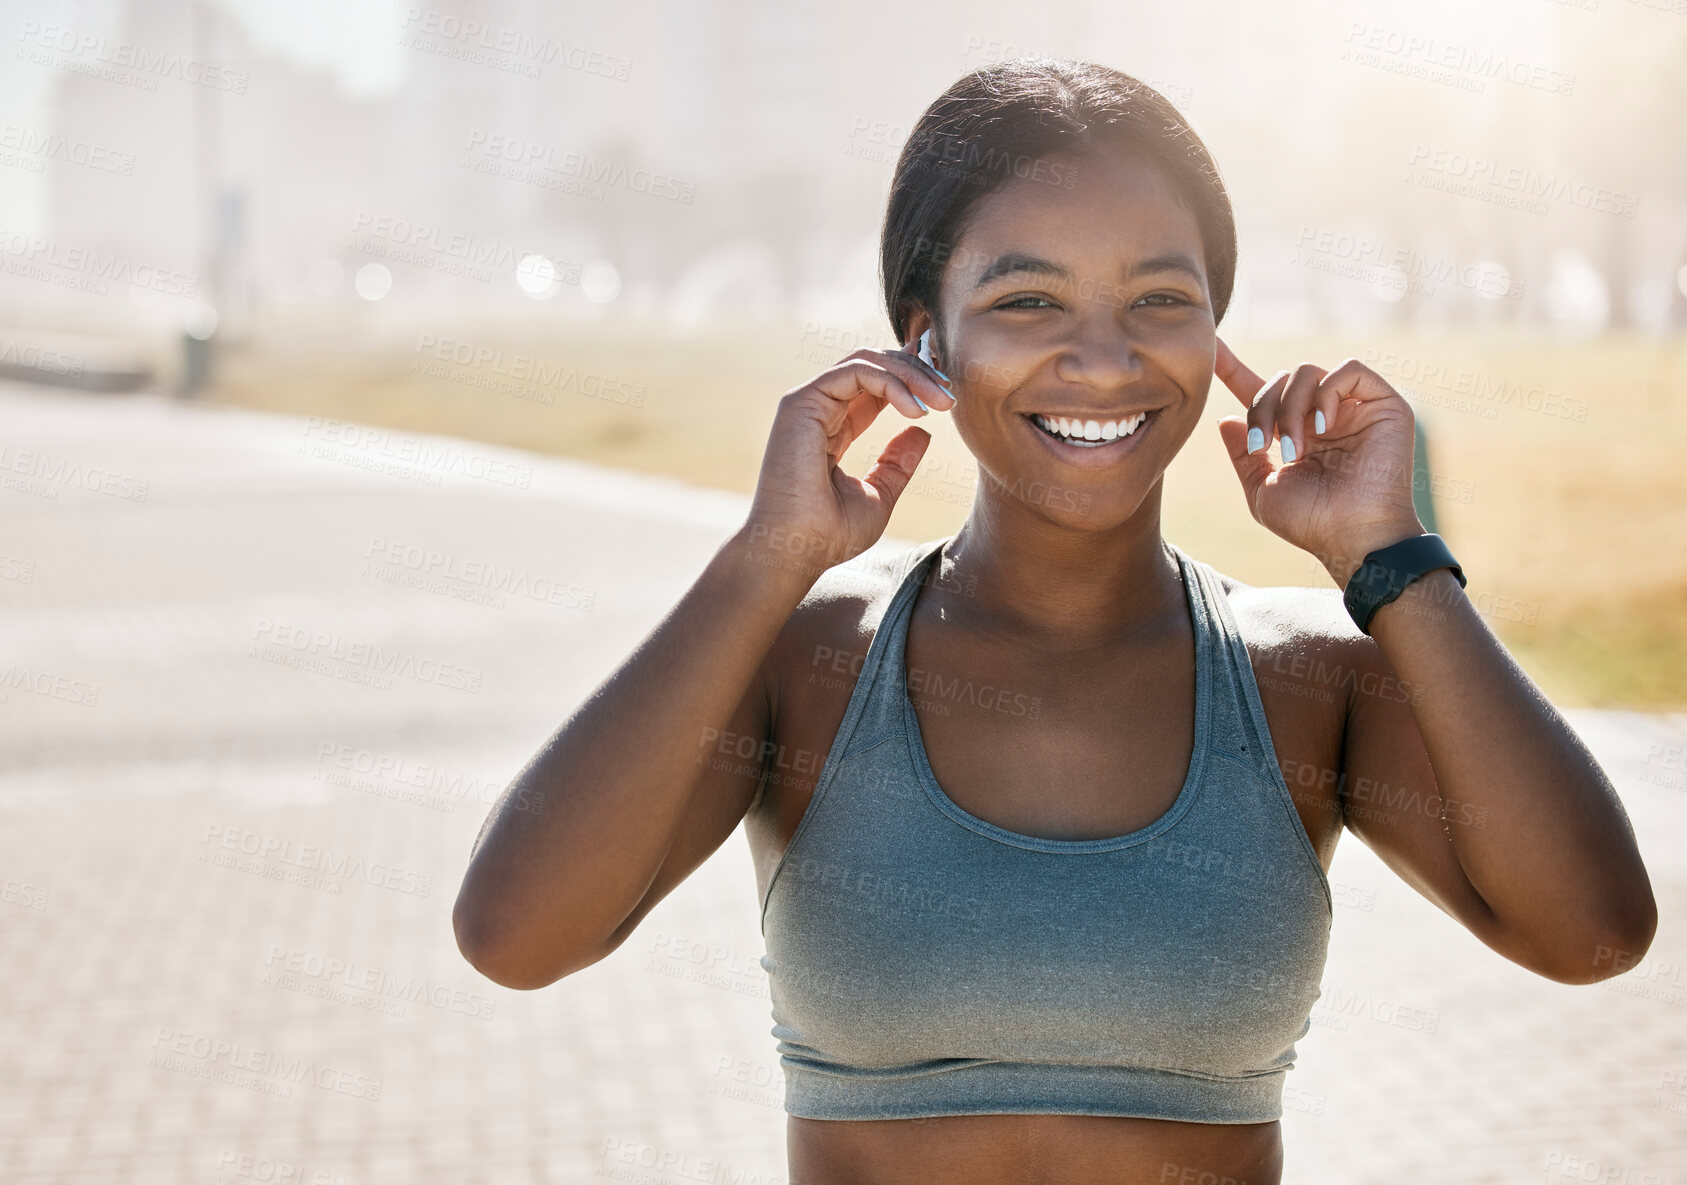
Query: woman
[1038, 899]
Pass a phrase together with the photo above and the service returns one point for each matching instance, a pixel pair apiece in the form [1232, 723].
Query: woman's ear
[922, 329]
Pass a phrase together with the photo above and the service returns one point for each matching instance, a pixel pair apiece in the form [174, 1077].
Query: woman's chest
[1090, 746]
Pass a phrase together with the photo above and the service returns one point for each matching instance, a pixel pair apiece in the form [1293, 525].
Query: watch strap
[1384, 574]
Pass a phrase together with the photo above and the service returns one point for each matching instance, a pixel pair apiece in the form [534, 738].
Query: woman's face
[1086, 303]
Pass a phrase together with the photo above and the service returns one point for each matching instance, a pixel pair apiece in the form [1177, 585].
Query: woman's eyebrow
[1018, 262]
[1015, 261]
[1175, 261]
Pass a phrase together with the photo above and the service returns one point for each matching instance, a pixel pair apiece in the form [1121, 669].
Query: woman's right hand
[807, 512]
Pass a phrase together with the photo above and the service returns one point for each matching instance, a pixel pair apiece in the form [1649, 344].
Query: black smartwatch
[1385, 573]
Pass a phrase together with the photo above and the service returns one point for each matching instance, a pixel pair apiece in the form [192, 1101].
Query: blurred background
[618, 233]
[456, 329]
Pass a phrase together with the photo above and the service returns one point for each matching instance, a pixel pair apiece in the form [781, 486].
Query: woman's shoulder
[1296, 626]
[833, 625]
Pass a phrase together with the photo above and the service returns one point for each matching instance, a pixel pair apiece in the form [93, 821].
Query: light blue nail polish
[1318, 422]
[1256, 440]
[1288, 449]
[920, 401]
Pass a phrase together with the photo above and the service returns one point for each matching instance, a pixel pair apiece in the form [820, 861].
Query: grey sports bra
[923, 961]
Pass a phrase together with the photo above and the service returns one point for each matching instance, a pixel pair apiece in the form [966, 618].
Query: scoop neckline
[1194, 599]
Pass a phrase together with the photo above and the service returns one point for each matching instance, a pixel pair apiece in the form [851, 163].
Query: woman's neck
[1057, 588]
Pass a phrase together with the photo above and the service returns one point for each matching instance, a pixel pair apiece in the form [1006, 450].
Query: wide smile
[1090, 442]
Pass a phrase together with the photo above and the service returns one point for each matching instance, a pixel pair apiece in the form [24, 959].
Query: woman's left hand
[1345, 487]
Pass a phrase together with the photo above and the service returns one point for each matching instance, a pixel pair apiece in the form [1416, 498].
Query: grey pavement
[261, 678]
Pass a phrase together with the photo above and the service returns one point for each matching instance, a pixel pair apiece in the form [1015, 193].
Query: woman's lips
[1089, 455]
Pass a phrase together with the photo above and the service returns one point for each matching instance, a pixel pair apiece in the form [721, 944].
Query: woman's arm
[1552, 877]
[545, 890]
[1536, 830]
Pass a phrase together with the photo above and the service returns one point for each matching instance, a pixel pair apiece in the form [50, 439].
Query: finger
[1251, 468]
[1351, 380]
[1231, 371]
[912, 349]
[1262, 412]
[908, 363]
[1294, 409]
[862, 413]
[894, 469]
[853, 377]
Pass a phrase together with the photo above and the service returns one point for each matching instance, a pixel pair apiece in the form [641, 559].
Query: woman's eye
[1167, 297]
[1026, 302]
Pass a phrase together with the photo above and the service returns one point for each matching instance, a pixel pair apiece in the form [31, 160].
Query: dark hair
[1000, 122]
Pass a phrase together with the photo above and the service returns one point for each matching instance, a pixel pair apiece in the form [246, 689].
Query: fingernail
[1288, 449]
[1318, 422]
[1256, 440]
[920, 401]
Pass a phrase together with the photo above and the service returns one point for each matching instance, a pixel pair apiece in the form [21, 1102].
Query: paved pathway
[230, 839]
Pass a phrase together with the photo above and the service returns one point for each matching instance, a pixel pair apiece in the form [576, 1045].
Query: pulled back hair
[1002, 122]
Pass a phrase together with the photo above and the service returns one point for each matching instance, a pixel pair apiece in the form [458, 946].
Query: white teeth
[1089, 433]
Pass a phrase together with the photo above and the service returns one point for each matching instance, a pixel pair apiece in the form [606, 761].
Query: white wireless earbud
[925, 356]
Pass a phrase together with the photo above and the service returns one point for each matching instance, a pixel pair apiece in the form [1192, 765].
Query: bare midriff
[1032, 1150]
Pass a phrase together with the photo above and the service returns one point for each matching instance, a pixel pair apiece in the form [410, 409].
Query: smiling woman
[1047, 910]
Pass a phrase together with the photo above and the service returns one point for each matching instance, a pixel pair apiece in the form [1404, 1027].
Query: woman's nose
[1103, 357]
